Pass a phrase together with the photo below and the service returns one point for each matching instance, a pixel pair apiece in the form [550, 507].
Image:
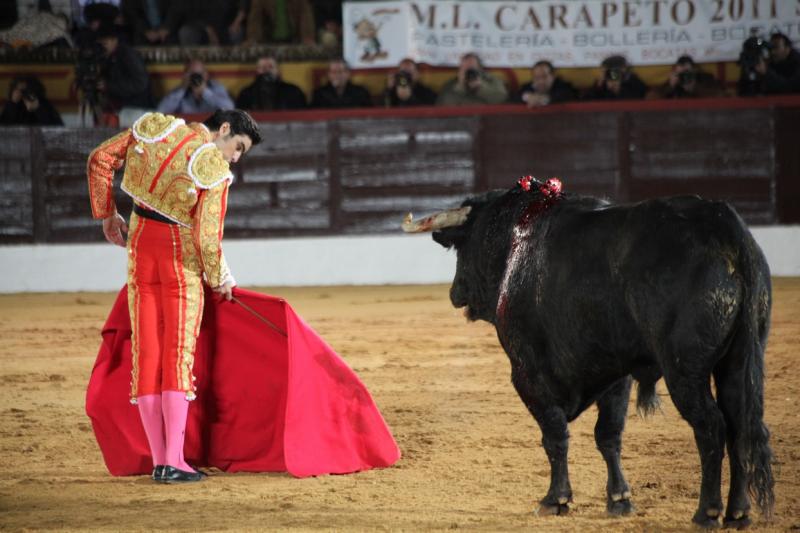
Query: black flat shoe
[158, 473]
[202, 474]
[174, 475]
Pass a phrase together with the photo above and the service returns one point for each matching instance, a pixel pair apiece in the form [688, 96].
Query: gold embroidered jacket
[174, 169]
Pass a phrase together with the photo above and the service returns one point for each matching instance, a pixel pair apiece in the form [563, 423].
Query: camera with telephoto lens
[614, 74]
[196, 79]
[402, 79]
[686, 77]
[754, 50]
[472, 74]
[89, 72]
[28, 94]
[267, 77]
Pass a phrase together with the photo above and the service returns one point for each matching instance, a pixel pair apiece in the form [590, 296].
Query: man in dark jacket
[545, 87]
[339, 92]
[124, 81]
[618, 82]
[782, 75]
[269, 91]
[403, 88]
[769, 68]
[27, 105]
[686, 80]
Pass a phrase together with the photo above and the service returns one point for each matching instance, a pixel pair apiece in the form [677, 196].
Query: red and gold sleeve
[209, 220]
[103, 161]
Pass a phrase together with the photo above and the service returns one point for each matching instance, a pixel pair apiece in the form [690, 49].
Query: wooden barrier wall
[360, 171]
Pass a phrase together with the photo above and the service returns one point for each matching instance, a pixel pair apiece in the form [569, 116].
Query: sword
[258, 316]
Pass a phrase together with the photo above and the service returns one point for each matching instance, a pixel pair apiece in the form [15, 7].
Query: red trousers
[165, 300]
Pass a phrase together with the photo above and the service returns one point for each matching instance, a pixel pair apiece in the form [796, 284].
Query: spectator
[686, 80]
[124, 81]
[8, 14]
[197, 94]
[783, 74]
[328, 16]
[95, 16]
[27, 105]
[213, 22]
[778, 76]
[404, 89]
[39, 29]
[618, 82]
[269, 91]
[280, 21]
[545, 87]
[339, 92]
[185, 22]
[152, 22]
[473, 85]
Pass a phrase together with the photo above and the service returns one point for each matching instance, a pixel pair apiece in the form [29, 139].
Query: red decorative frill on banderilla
[549, 188]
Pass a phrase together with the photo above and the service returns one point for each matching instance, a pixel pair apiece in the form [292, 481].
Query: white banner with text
[570, 33]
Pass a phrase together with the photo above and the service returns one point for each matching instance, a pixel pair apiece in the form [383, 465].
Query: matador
[178, 176]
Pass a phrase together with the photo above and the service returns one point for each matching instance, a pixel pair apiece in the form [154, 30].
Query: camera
[472, 74]
[267, 77]
[754, 50]
[89, 72]
[614, 74]
[196, 79]
[402, 79]
[686, 77]
[28, 94]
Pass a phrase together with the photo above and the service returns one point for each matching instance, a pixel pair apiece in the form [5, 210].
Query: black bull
[587, 296]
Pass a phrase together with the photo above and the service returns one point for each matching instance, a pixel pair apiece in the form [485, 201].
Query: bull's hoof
[552, 509]
[742, 522]
[620, 507]
[706, 521]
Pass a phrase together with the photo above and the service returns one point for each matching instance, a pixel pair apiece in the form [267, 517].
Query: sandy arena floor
[471, 453]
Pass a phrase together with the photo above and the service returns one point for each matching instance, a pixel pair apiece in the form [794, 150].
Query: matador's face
[233, 147]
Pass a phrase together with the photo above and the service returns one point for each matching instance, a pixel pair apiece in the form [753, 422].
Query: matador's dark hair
[241, 123]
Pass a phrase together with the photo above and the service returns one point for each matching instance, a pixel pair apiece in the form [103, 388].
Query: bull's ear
[446, 237]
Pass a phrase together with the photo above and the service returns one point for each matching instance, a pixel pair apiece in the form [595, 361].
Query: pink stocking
[175, 407]
[150, 412]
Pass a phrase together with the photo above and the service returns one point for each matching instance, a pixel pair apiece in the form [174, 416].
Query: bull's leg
[555, 439]
[612, 409]
[692, 397]
[729, 398]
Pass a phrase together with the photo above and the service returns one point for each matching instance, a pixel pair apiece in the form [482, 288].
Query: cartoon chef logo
[367, 28]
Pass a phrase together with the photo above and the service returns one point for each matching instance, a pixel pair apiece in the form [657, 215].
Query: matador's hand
[225, 290]
[113, 228]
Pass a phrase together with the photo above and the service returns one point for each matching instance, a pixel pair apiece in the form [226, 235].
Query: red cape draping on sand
[265, 402]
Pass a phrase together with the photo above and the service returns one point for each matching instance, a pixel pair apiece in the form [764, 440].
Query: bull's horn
[436, 221]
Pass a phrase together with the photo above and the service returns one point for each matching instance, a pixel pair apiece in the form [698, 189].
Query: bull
[587, 297]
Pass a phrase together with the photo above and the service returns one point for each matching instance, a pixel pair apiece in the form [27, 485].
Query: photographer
[340, 91]
[545, 87]
[473, 85]
[27, 105]
[197, 94]
[769, 68]
[123, 79]
[618, 82]
[403, 88]
[686, 80]
[268, 91]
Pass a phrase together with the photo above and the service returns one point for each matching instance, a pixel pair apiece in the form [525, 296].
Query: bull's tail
[754, 442]
[750, 341]
[647, 401]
